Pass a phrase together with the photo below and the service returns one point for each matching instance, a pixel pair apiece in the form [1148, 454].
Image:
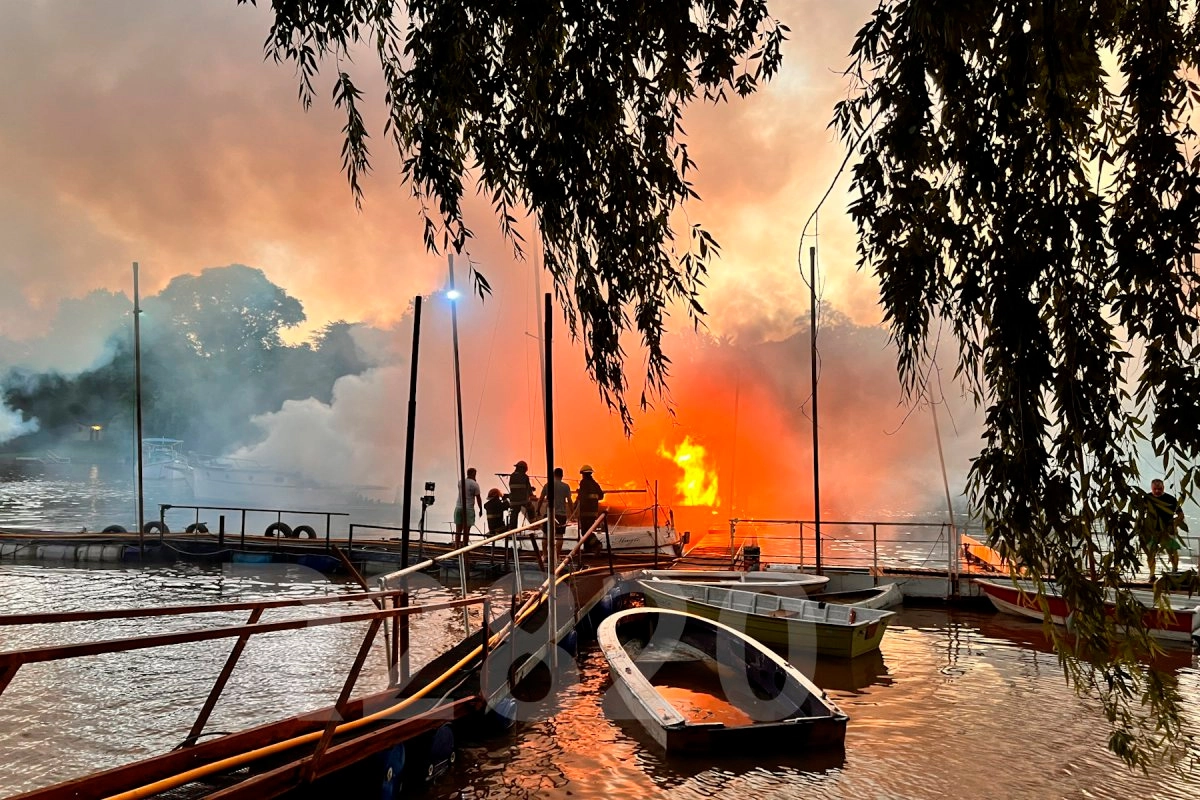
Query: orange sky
[155, 132]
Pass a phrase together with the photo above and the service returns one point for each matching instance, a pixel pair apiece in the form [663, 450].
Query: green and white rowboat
[786, 623]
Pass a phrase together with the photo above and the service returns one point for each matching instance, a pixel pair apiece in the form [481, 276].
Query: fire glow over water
[698, 486]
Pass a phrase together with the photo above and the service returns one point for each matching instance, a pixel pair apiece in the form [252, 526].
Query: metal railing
[315, 730]
[292, 513]
[852, 544]
[397, 615]
[877, 545]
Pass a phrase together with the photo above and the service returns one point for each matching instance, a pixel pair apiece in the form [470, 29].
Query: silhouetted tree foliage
[1027, 181]
[569, 111]
[1009, 189]
[213, 357]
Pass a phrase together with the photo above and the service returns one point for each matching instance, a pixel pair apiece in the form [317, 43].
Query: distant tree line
[213, 357]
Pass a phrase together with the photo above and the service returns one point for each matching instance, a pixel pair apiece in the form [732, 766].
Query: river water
[956, 704]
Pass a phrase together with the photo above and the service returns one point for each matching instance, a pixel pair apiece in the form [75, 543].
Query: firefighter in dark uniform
[520, 495]
[587, 499]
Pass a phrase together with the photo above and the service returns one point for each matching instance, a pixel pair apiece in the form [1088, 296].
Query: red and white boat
[1182, 625]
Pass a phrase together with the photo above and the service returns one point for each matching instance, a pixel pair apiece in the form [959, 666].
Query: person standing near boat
[562, 501]
[464, 517]
[520, 495]
[587, 500]
[1165, 518]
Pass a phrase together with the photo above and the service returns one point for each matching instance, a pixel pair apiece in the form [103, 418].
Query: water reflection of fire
[698, 486]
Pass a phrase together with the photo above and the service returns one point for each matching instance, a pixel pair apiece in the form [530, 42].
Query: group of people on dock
[504, 510]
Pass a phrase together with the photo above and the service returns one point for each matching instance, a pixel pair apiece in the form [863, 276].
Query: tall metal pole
[137, 403]
[551, 519]
[812, 337]
[462, 458]
[410, 436]
[537, 289]
[953, 541]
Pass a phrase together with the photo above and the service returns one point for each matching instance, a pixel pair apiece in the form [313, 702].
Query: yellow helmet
[585, 468]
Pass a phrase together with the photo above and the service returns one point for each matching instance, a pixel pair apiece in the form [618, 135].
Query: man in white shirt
[465, 518]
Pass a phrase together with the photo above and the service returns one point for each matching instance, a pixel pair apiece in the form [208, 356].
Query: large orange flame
[698, 486]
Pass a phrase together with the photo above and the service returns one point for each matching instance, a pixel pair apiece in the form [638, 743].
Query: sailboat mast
[137, 398]
[551, 517]
[812, 337]
[537, 287]
[949, 505]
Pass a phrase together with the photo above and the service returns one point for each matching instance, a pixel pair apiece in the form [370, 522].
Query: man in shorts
[1164, 518]
[464, 517]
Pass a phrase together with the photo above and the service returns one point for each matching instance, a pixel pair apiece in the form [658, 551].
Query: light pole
[410, 437]
[452, 295]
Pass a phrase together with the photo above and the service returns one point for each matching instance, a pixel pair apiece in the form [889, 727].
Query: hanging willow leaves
[1027, 178]
[570, 110]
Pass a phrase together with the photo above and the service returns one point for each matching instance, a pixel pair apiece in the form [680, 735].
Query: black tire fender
[280, 528]
[155, 527]
[197, 527]
[115, 529]
[304, 530]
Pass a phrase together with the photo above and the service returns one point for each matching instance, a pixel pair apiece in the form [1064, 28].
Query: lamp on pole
[452, 295]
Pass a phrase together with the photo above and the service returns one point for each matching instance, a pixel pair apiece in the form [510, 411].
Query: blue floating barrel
[393, 773]
[586, 628]
[606, 606]
[318, 562]
[503, 714]
[570, 643]
[247, 557]
[441, 752]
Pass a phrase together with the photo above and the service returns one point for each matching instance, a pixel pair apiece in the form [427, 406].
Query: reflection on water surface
[954, 705]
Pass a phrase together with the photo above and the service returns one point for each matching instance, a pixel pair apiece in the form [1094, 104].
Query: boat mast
[537, 290]
[812, 338]
[946, 485]
[551, 518]
[137, 401]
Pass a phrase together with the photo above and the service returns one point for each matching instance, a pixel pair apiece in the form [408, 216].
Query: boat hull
[793, 715]
[1021, 600]
[886, 596]
[633, 540]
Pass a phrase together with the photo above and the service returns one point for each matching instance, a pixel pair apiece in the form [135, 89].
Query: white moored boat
[162, 459]
[786, 584]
